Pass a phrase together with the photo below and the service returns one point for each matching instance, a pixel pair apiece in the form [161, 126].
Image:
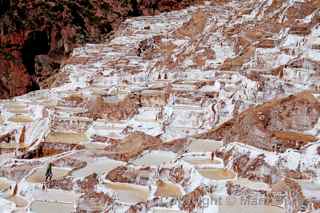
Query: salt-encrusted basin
[4, 184]
[100, 166]
[167, 189]
[155, 158]
[202, 160]
[201, 145]
[310, 189]
[21, 118]
[54, 195]
[62, 137]
[51, 207]
[166, 210]
[19, 201]
[217, 173]
[15, 105]
[129, 193]
[38, 175]
[255, 185]
[249, 208]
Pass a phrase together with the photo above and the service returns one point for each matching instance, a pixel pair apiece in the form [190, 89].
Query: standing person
[49, 172]
[212, 155]
[15, 190]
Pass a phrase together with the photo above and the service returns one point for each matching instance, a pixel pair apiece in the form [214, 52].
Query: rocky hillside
[36, 36]
[211, 108]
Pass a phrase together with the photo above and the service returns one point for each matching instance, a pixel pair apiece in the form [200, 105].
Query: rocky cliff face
[36, 36]
[212, 108]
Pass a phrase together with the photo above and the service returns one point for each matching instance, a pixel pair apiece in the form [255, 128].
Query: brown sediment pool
[19, 201]
[166, 189]
[4, 184]
[20, 118]
[216, 173]
[12, 145]
[155, 158]
[18, 109]
[38, 176]
[129, 193]
[62, 137]
[51, 207]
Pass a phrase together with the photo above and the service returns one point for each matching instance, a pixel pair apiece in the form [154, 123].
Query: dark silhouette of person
[49, 172]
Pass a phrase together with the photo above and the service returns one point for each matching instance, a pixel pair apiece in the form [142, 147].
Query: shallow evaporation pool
[4, 184]
[241, 208]
[95, 147]
[167, 189]
[54, 195]
[12, 146]
[166, 210]
[51, 207]
[5, 156]
[69, 138]
[202, 160]
[6, 206]
[202, 145]
[19, 201]
[255, 185]
[217, 173]
[155, 158]
[38, 175]
[21, 118]
[99, 166]
[15, 105]
[18, 110]
[310, 189]
[129, 193]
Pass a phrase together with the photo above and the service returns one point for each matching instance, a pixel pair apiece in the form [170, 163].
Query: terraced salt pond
[19, 201]
[11, 107]
[246, 208]
[217, 173]
[18, 109]
[310, 189]
[4, 184]
[129, 193]
[252, 184]
[166, 189]
[38, 176]
[51, 207]
[20, 118]
[6, 206]
[155, 158]
[12, 145]
[99, 166]
[198, 145]
[166, 210]
[56, 195]
[70, 138]
[202, 160]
